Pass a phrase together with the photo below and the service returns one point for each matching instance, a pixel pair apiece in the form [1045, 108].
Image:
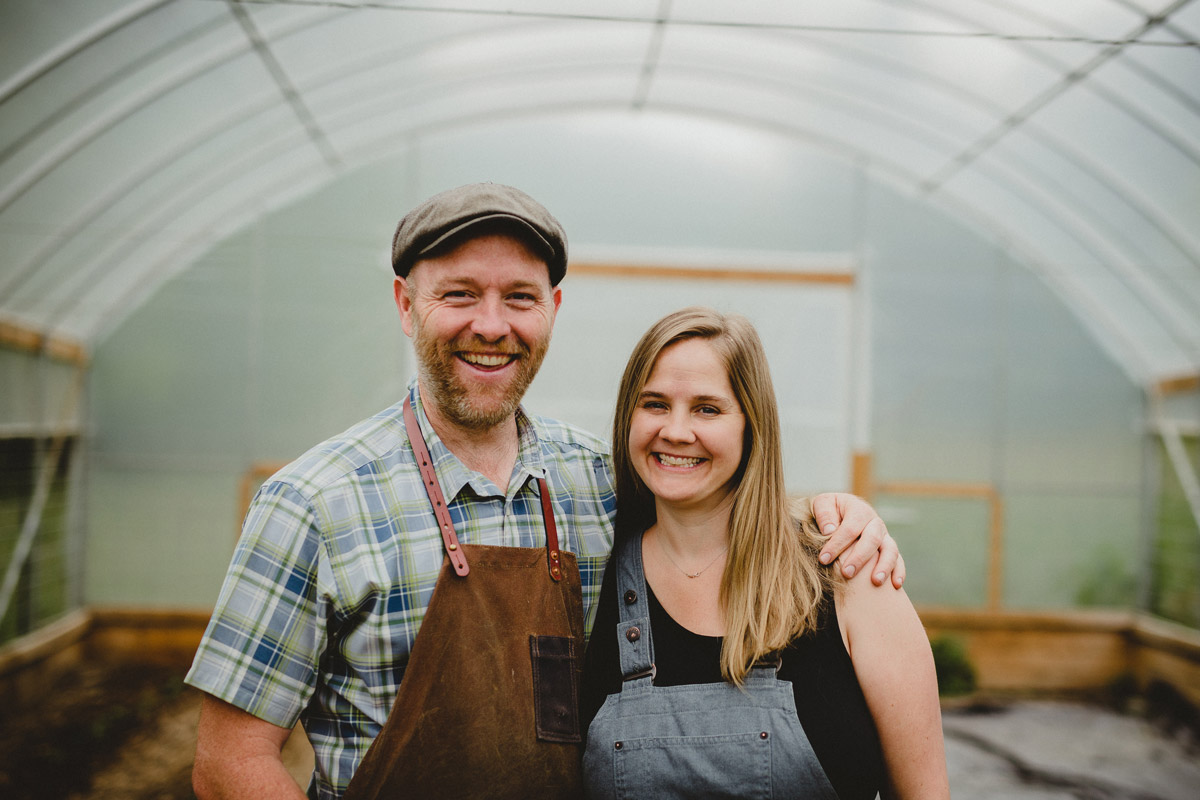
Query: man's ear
[401, 291]
[556, 296]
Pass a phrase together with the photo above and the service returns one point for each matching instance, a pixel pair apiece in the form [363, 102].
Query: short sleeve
[262, 646]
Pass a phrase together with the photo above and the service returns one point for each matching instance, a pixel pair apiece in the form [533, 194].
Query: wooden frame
[626, 270]
[16, 336]
[864, 485]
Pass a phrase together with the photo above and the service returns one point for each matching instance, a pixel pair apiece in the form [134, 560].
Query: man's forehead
[484, 263]
[436, 276]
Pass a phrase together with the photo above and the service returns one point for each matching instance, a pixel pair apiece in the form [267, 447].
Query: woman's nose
[677, 427]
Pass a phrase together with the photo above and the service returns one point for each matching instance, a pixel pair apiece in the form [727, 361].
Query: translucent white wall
[983, 379]
[973, 373]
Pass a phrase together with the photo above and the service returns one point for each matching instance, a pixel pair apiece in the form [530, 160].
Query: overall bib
[707, 740]
[488, 706]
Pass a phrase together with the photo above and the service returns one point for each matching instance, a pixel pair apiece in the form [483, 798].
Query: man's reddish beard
[473, 406]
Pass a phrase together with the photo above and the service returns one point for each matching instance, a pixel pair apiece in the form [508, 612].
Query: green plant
[955, 672]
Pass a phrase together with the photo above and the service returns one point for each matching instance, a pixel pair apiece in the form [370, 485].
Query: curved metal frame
[1079, 220]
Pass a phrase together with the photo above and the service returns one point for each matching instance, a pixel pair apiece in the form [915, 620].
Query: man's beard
[468, 405]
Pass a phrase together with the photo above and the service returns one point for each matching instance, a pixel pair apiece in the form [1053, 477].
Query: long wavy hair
[773, 586]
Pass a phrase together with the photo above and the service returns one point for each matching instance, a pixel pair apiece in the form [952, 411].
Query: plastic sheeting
[136, 134]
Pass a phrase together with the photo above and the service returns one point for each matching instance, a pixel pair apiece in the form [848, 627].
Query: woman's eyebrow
[713, 399]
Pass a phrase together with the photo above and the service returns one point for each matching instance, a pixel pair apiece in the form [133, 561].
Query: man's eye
[522, 298]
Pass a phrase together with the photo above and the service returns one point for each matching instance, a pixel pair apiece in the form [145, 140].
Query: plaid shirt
[337, 562]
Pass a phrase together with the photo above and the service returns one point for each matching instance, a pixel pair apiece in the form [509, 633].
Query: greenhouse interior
[967, 231]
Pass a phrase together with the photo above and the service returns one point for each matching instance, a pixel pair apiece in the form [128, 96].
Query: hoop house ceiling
[134, 134]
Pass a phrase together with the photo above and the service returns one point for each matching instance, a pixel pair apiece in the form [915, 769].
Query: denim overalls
[705, 740]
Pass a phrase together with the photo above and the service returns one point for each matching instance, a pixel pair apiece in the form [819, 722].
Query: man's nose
[491, 320]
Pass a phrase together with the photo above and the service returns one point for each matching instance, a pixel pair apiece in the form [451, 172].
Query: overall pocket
[736, 765]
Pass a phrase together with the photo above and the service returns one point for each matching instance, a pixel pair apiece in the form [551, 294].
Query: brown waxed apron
[488, 706]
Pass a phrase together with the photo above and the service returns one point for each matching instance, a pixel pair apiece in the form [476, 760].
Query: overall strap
[634, 641]
[437, 500]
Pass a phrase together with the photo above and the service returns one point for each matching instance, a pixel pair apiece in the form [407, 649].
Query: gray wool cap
[450, 213]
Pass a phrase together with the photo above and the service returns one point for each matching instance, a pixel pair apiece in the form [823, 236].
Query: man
[329, 612]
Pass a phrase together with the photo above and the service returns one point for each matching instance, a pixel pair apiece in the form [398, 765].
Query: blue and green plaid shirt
[337, 562]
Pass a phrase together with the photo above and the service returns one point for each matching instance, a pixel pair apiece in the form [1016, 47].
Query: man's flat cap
[449, 215]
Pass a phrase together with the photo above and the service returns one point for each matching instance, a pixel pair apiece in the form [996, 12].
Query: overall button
[630, 597]
[763, 735]
[633, 634]
[618, 745]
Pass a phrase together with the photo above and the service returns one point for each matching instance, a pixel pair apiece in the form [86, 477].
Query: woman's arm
[894, 664]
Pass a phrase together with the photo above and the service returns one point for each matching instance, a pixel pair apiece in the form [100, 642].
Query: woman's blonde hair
[773, 585]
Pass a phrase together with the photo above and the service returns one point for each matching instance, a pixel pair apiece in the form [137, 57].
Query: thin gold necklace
[681, 569]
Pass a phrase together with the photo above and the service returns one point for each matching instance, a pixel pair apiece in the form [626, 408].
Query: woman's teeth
[677, 461]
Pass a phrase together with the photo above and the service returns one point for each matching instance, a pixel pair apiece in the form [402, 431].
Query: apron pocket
[555, 688]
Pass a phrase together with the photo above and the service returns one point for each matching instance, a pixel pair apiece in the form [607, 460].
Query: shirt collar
[453, 475]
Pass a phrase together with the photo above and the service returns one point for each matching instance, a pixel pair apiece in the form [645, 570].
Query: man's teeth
[676, 461]
[484, 360]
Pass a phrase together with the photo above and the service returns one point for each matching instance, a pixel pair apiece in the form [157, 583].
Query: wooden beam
[615, 270]
[862, 476]
[936, 489]
[1178, 384]
[15, 336]
[1080, 651]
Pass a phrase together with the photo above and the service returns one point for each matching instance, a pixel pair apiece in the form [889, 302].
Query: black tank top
[829, 701]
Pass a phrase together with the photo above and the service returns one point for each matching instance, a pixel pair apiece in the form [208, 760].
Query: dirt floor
[110, 733]
[101, 732]
[129, 733]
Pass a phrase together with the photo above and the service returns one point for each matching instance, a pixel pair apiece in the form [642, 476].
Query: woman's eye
[654, 405]
[709, 411]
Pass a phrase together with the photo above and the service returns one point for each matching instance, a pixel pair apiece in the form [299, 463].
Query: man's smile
[488, 360]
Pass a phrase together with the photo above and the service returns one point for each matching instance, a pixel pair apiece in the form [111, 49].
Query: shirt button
[633, 634]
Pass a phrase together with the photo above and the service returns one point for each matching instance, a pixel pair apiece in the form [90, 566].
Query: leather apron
[704, 740]
[488, 705]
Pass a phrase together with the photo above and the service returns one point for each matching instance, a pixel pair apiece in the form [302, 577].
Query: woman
[725, 661]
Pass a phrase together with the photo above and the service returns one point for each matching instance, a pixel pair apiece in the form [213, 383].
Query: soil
[102, 733]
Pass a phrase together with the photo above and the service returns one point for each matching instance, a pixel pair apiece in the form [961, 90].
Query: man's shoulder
[341, 458]
[565, 437]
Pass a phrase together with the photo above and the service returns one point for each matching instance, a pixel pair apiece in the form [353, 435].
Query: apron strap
[449, 538]
[433, 489]
[552, 553]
